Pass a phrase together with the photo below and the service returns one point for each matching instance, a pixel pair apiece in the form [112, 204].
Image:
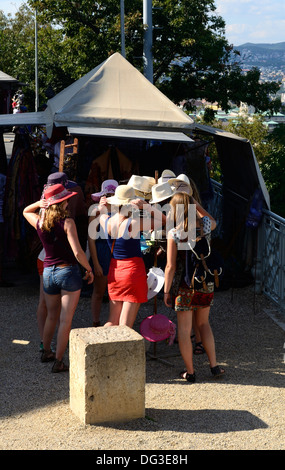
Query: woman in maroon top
[61, 276]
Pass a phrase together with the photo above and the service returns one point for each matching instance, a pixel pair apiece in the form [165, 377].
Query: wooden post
[61, 155]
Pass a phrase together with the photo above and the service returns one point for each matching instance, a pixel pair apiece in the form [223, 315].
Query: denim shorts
[68, 278]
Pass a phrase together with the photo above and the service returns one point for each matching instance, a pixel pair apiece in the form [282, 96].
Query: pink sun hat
[157, 328]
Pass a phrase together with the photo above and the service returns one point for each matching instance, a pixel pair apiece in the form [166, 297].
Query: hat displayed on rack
[107, 187]
[165, 176]
[61, 178]
[157, 328]
[124, 194]
[160, 192]
[155, 281]
[140, 184]
[151, 180]
[57, 193]
[181, 184]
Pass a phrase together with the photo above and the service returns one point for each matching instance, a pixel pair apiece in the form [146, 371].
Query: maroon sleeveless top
[56, 245]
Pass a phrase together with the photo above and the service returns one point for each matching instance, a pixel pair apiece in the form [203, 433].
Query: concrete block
[107, 374]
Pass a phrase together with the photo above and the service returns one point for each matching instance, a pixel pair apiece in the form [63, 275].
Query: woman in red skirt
[127, 279]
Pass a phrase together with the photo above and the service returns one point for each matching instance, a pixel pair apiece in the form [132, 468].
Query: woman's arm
[156, 220]
[31, 212]
[98, 271]
[202, 213]
[169, 270]
[71, 232]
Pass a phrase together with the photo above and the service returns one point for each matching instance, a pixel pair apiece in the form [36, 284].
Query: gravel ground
[242, 411]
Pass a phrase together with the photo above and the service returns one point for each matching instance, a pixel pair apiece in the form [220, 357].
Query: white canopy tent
[112, 97]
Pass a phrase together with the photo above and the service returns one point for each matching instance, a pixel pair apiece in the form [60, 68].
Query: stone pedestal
[107, 374]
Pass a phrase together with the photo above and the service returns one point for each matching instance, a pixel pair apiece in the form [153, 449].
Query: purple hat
[157, 328]
[61, 178]
[107, 187]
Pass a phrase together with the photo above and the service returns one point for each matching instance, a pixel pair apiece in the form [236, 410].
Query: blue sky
[255, 21]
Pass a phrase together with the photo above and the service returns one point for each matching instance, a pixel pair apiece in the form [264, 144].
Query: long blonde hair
[180, 199]
[53, 214]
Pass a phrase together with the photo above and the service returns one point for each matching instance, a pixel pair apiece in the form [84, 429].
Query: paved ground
[242, 411]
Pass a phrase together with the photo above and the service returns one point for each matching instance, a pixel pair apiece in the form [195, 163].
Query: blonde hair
[53, 214]
[180, 199]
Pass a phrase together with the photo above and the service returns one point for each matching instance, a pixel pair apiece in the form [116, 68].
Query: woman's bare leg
[184, 321]
[129, 313]
[207, 337]
[99, 288]
[114, 313]
[69, 302]
[53, 303]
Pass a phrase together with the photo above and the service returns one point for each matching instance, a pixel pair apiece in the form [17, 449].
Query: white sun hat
[160, 192]
[155, 281]
[181, 184]
[166, 175]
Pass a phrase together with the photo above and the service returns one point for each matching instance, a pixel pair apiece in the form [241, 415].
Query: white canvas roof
[114, 95]
[23, 119]
[4, 77]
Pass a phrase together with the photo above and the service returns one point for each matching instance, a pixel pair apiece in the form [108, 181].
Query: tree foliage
[273, 169]
[191, 56]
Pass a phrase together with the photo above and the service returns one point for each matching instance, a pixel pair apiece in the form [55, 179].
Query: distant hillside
[262, 55]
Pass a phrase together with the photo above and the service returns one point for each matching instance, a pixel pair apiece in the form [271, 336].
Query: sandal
[199, 349]
[189, 377]
[96, 324]
[59, 366]
[217, 371]
[47, 356]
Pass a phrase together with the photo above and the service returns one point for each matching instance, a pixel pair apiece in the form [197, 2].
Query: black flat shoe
[217, 371]
[47, 356]
[59, 366]
[189, 377]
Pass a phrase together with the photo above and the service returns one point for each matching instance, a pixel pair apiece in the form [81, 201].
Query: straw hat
[107, 187]
[157, 328]
[57, 193]
[181, 184]
[155, 281]
[151, 180]
[160, 192]
[140, 184]
[165, 176]
[124, 194]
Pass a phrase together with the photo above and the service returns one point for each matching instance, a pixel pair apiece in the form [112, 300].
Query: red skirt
[127, 280]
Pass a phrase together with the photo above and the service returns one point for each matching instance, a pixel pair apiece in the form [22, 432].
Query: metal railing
[269, 270]
[270, 277]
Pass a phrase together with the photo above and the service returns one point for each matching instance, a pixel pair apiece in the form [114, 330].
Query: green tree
[17, 54]
[273, 169]
[192, 58]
